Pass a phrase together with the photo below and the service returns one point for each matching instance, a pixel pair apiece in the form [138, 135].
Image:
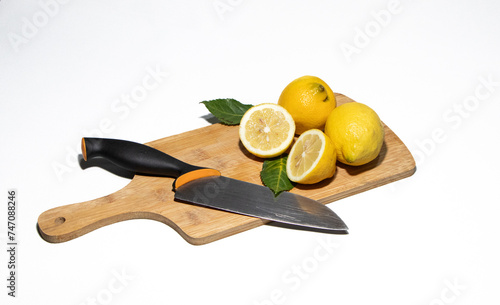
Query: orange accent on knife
[196, 174]
[84, 150]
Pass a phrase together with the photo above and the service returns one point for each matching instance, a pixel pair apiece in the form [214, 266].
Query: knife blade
[207, 187]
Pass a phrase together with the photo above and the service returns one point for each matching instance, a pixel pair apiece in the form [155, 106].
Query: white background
[429, 68]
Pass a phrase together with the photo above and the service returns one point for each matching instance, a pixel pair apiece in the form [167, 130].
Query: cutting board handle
[67, 222]
[64, 223]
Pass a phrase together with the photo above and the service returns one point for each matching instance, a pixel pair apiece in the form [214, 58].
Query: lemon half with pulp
[267, 130]
[312, 158]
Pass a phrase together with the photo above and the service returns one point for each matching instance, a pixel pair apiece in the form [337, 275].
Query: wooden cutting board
[215, 146]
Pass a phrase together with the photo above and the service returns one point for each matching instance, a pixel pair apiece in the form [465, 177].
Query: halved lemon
[312, 158]
[267, 130]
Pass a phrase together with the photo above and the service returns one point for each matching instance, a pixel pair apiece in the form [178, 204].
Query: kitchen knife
[206, 187]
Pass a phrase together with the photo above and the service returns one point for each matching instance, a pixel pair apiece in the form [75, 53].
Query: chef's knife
[206, 187]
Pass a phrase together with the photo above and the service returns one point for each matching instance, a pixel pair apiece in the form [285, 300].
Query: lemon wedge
[267, 130]
[312, 158]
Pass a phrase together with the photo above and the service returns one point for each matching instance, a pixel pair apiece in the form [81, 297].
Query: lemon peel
[357, 133]
[309, 100]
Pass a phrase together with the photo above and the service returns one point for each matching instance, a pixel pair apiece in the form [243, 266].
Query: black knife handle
[135, 157]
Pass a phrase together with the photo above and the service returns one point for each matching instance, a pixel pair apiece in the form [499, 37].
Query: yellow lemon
[312, 158]
[309, 100]
[267, 130]
[357, 133]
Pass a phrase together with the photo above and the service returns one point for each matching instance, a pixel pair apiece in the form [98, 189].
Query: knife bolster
[193, 175]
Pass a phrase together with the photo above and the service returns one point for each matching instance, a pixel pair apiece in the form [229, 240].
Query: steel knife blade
[207, 187]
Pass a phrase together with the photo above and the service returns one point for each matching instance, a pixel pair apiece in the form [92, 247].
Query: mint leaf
[274, 176]
[228, 111]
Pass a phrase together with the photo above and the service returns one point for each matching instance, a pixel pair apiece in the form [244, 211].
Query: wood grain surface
[215, 146]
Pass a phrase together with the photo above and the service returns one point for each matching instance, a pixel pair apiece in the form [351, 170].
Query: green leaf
[228, 111]
[274, 176]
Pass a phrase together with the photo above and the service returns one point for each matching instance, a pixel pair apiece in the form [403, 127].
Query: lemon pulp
[267, 130]
[312, 158]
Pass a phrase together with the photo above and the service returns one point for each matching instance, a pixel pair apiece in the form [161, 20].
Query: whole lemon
[309, 100]
[356, 132]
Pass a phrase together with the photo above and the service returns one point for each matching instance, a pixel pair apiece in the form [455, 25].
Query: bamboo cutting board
[215, 146]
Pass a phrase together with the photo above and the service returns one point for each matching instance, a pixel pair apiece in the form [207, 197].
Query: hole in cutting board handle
[60, 220]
